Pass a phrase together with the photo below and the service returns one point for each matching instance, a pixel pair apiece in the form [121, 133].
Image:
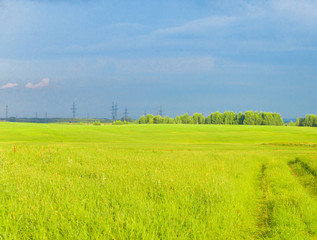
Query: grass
[157, 182]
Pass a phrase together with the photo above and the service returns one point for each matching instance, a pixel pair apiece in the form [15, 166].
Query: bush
[96, 123]
[119, 122]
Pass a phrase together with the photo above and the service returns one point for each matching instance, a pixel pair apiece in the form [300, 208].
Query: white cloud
[198, 26]
[44, 83]
[302, 10]
[9, 85]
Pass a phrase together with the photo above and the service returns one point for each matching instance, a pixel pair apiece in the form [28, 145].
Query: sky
[185, 56]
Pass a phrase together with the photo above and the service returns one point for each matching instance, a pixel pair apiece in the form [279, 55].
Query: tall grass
[150, 182]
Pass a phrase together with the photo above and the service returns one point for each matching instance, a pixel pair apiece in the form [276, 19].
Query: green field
[157, 182]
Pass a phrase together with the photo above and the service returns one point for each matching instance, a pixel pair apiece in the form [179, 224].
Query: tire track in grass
[265, 206]
[305, 175]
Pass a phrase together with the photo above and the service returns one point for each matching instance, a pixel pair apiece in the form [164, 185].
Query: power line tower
[7, 112]
[125, 114]
[112, 112]
[74, 110]
[161, 111]
[116, 111]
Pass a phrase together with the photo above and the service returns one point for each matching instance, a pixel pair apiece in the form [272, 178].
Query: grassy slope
[159, 181]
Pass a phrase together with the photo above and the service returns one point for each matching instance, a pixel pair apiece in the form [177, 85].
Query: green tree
[240, 118]
[142, 120]
[258, 118]
[198, 118]
[208, 119]
[166, 120]
[228, 117]
[202, 119]
[171, 121]
[249, 118]
[300, 121]
[309, 120]
[149, 119]
[178, 120]
[217, 118]
[235, 119]
[157, 119]
[185, 119]
[315, 121]
[278, 120]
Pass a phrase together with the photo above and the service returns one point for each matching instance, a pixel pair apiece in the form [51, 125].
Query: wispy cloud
[166, 65]
[9, 85]
[128, 25]
[304, 11]
[44, 83]
[198, 26]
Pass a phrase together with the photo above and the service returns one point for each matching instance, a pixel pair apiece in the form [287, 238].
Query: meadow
[157, 182]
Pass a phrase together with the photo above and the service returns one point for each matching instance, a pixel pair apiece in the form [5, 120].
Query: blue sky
[186, 56]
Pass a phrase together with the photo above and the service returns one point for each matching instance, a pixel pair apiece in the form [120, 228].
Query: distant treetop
[228, 118]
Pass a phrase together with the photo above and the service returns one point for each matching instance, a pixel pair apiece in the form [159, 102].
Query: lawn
[157, 182]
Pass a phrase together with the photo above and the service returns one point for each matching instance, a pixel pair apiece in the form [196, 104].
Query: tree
[269, 118]
[158, 119]
[309, 120]
[235, 119]
[240, 118]
[166, 120]
[149, 119]
[201, 118]
[278, 121]
[208, 119]
[171, 121]
[249, 118]
[228, 117]
[300, 121]
[258, 118]
[315, 121]
[198, 118]
[142, 120]
[178, 120]
[185, 119]
[216, 118]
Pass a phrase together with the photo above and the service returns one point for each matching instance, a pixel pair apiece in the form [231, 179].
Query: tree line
[309, 121]
[228, 117]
